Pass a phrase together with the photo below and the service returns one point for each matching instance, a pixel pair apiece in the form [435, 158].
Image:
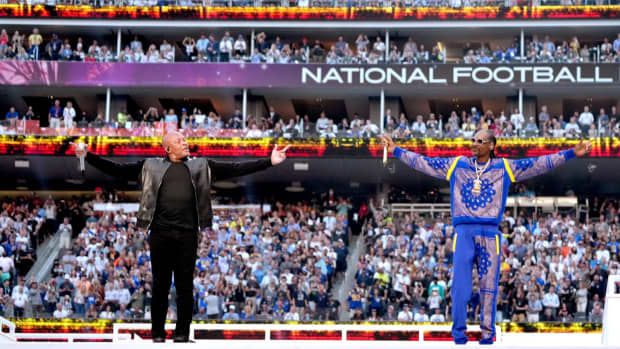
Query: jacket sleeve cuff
[569, 154]
[398, 152]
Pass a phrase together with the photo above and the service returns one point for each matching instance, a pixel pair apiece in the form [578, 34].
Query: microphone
[385, 153]
[82, 169]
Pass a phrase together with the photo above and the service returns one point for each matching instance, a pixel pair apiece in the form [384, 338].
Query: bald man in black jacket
[175, 204]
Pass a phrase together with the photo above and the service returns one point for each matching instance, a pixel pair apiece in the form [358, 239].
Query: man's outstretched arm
[223, 170]
[129, 171]
[523, 169]
[436, 167]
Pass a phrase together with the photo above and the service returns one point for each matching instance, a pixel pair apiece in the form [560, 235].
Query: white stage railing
[546, 203]
[11, 327]
[420, 208]
[70, 337]
[611, 335]
[343, 328]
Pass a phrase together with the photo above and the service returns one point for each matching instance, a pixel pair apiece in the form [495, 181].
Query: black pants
[172, 252]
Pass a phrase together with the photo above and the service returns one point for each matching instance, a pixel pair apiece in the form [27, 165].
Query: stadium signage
[246, 75]
[454, 75]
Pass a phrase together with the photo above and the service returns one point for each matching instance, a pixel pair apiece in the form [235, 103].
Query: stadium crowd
[277, 265]
[580, 124]
[237, 48]
[545, 50]
[281, 265]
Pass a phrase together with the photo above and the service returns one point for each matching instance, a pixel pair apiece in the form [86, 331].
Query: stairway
[341, 290]
[46, 253]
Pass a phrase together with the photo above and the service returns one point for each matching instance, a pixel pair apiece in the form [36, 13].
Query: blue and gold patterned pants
[479, 245]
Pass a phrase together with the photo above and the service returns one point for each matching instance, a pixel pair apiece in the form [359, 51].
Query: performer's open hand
[80, 152]
[388, 143]
[277, 156]
[583, 148]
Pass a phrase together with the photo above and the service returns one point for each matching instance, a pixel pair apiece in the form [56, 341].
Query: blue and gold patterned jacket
[487, 207]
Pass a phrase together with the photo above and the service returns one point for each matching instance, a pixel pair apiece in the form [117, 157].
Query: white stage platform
[286, 344]
[310, 336]
[509, 340]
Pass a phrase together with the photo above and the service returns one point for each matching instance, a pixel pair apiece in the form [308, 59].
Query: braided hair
[493, 140]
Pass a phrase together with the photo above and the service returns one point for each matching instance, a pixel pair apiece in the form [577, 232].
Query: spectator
[517, 121]
[586, 120]
[603, 122]
[66, 288]
[548, 315]
[292, 314]
[240, 46]
[171, 116]
[35, 299]
[543, 117]
[421, 315]
[596, 315]
[136, 44]
[12, 115]
[616, 45]
[68, 114]
[213, 49]
[190, 44]
[55, 115]
[60, 312]
[20, 299]
[557, 131]
[405, 315]
[322, 123]
[7, 265]
[519, 306]
[534, 308]
[330, 131]
[107, 314]
[418, 128]
[354, 300]
[231, 315]
[274, 118]
[257, 56]
[202, 45]
[438, 316]
[572, 130]
[29, 115]
[531, 130]
[226, 47]
[34, 41]
[564, 315]
[254, 132]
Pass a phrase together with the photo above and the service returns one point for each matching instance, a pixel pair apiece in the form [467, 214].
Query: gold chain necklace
[477, 182]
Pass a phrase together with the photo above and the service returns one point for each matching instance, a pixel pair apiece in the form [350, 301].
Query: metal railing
[420, 208]
[144, 129]
[334, 328]
[546, 203]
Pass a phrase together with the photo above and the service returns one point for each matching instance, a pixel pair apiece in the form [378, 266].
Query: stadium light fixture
[295, 187]
[22, 164]
[301, 166]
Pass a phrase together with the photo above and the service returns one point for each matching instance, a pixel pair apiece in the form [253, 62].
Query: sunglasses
[479, 141]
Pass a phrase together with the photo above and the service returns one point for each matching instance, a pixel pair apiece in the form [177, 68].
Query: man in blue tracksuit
[479, 188]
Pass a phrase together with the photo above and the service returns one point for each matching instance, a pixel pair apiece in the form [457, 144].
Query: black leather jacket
[150, 173]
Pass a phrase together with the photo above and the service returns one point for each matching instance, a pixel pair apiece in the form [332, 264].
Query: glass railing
[158, 129]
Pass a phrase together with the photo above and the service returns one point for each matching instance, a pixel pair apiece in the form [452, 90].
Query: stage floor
[280, 344]
[509, 341]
